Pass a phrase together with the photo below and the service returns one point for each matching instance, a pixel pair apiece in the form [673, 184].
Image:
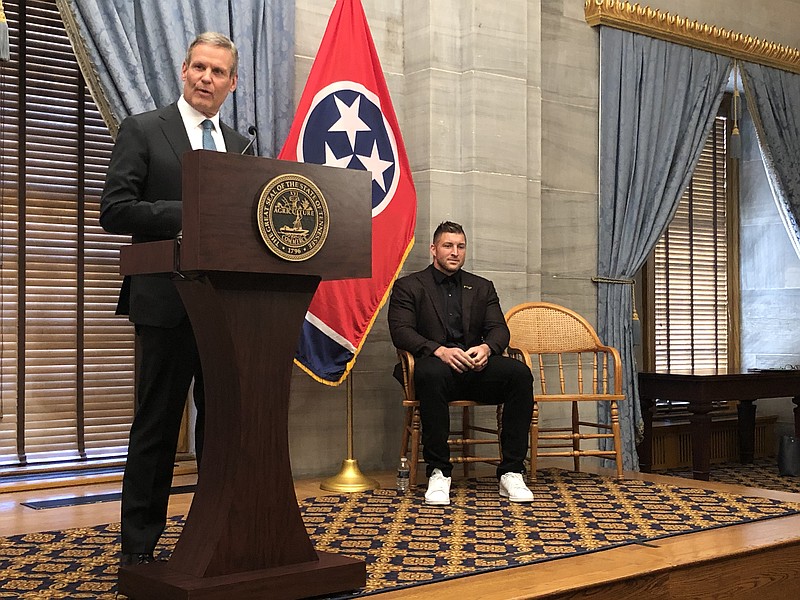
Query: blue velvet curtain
[131, 53]
[658, 101]
[773, 99]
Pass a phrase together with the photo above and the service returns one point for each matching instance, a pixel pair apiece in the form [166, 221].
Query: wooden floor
[754, 561]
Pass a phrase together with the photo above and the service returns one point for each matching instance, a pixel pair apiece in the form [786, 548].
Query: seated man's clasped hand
[473, 359]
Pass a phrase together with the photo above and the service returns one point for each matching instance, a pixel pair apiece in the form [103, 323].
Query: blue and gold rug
[404, 542]
[761, 473]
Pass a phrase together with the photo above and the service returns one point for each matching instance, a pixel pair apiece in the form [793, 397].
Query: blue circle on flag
[346, 128]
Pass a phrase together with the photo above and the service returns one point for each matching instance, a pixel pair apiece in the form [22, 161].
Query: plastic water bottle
[403, 473]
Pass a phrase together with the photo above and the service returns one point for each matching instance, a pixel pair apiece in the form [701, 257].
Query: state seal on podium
[293, 217]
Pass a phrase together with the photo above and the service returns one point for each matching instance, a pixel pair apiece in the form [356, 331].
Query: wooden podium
[244, 537]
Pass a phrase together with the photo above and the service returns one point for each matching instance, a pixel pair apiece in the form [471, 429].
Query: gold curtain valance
[680, 30]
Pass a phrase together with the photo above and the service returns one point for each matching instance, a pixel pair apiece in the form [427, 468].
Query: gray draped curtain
[131, 53]
[658, 101]
[773, 99]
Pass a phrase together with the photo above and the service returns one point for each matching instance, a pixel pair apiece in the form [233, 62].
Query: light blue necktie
[208, 141]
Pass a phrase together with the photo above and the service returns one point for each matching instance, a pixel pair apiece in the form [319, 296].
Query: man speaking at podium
[142, 198]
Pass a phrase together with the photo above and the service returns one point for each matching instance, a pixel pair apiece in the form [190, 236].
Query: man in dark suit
[451, 322]
[142, 198]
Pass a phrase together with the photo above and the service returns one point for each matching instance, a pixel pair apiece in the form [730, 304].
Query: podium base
[330, 574]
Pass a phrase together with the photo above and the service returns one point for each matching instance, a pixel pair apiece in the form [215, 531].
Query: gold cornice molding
[680, 30]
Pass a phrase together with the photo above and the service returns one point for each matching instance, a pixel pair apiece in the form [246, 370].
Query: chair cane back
[569, 364]
[463, 441]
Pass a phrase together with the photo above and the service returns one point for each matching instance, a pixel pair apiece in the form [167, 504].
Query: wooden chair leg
[617, 437]
[415, 445]
[534, 440]
[466, 432]
[406, 433]
[576, 440]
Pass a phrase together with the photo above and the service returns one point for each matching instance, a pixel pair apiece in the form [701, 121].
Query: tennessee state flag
[345, 119]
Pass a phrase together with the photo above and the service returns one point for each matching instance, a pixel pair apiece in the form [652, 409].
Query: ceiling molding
[680, 30]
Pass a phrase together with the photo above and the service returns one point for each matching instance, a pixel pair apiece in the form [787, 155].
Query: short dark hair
[212, 38]
[448, 227]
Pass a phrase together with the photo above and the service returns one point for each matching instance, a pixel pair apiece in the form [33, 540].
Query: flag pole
[349, 478]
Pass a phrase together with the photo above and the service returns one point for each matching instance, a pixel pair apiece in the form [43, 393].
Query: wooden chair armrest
[407, 365]
[520, 355]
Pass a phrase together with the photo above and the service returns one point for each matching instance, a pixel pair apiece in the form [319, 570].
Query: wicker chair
[558, 343]
[466, 439]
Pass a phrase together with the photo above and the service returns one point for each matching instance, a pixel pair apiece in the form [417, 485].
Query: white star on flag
[349, 121]
[332, 161]
[376, 165]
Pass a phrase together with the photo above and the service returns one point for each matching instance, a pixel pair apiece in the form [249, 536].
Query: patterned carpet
[405, 542]
[762, 473]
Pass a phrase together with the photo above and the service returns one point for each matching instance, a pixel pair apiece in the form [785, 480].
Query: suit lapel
[174, 131]
[233, 142]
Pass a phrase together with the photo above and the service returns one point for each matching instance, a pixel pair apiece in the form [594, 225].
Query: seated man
[451, 322]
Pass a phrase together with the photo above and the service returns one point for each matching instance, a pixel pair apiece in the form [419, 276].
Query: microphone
[252, 131]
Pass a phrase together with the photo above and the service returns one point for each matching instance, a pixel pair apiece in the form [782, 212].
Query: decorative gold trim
[88, 70]
[680, 30]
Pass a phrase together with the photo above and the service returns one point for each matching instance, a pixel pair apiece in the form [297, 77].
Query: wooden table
[704, 392]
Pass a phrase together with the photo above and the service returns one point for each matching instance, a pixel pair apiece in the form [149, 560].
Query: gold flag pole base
[349, 479]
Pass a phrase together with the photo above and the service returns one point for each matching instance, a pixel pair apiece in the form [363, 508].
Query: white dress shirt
[192, 120]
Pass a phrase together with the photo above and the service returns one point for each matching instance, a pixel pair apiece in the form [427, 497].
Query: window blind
[690, 270]
[67, 361]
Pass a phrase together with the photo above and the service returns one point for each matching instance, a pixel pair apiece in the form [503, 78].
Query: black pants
[503, 381]
[169, 361]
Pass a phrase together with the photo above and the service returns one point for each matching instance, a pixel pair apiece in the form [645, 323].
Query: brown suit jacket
[417, 325]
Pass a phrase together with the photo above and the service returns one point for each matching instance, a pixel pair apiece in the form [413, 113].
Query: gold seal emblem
[293, 217]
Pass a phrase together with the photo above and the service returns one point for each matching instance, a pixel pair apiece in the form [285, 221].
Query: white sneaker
[438, 489]
[512, 486]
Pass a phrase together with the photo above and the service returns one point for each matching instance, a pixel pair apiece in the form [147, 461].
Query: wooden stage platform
[754, 561]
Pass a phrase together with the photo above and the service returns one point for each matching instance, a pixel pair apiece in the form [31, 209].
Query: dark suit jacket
[142, 198]
[416, 322]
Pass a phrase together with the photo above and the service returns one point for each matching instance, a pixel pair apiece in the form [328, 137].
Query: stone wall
[498, 107]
